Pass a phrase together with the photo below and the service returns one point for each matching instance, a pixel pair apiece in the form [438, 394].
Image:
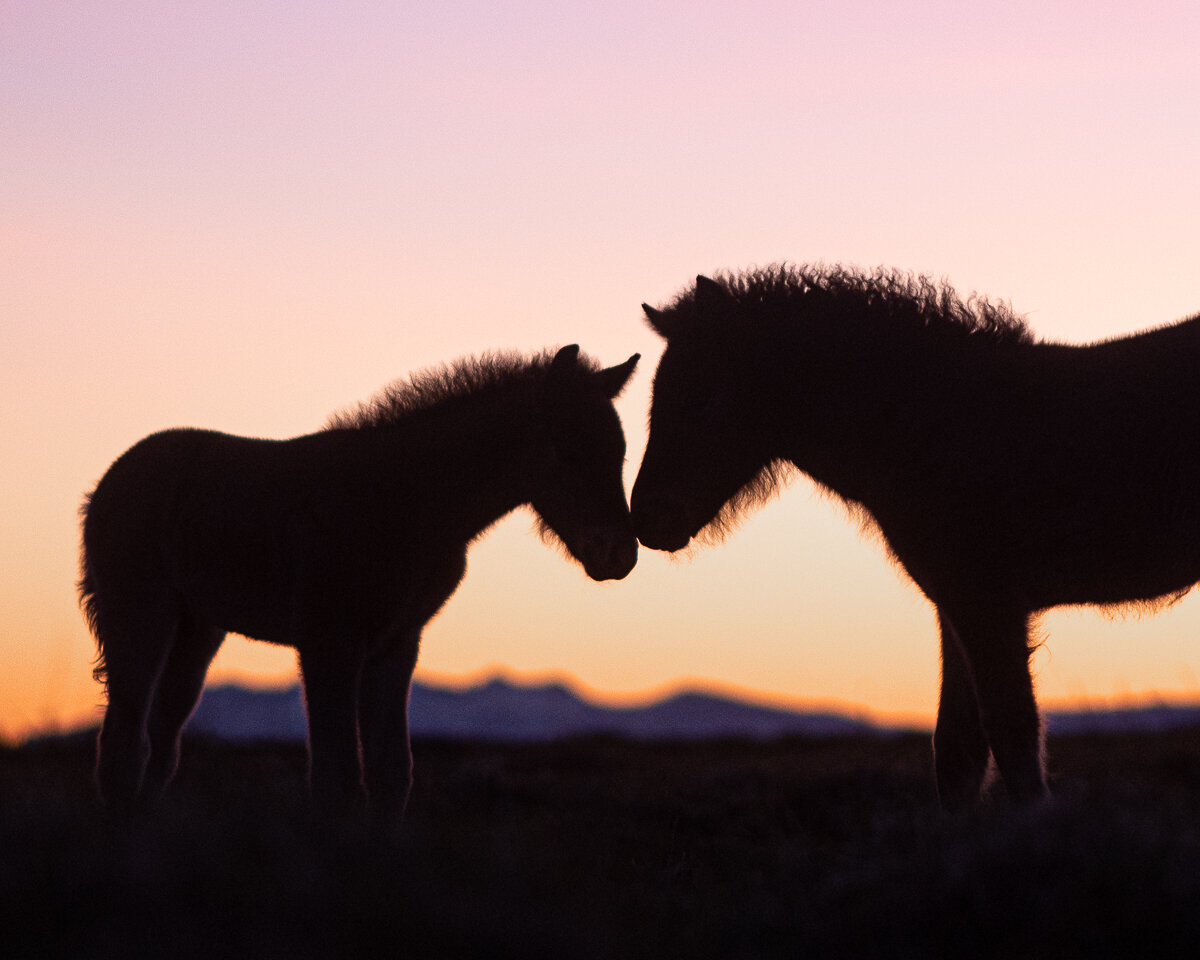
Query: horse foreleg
[995, 646]
[331, 684]
[383, 718]
[960, 747]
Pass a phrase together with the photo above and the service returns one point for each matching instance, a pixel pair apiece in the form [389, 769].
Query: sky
[247, 215]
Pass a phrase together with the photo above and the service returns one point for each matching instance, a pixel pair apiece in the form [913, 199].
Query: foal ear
[613, 379]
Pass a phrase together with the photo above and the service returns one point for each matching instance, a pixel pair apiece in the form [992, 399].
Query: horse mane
[771, 478]
[787, 292]
[905, 297]
[436, 386]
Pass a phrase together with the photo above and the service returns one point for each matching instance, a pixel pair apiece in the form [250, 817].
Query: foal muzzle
[608, 555]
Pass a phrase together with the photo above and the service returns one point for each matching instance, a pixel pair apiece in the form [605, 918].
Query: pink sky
[247, 215]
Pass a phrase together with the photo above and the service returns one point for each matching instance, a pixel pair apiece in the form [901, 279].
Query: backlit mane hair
[468, 377]
[770, 480]
[789, 291]
[903, 296]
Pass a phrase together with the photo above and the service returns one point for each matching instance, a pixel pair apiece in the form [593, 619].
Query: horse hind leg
[135, 651]
[178, 692]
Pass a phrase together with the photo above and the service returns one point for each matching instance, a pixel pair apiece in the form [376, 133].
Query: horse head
[580, 493]
[705, 460]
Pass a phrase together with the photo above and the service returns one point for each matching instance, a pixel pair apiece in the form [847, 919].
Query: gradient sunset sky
[246, 215]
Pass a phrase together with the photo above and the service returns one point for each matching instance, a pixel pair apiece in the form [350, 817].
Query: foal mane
[901, 296]
[468, 377]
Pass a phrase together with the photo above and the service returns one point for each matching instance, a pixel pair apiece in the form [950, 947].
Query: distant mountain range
[500, 710]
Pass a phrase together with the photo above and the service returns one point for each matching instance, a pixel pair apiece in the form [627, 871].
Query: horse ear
[613, 379]
[566, 359]
[660, 322]
[711, 297]
[562, 368]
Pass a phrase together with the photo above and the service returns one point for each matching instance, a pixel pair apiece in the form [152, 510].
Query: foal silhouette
[343, 544]
[1006, 475]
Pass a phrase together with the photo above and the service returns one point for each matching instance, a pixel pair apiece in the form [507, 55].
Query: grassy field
[600, 848]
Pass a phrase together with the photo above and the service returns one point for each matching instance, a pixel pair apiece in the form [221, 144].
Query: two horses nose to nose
[658, 522]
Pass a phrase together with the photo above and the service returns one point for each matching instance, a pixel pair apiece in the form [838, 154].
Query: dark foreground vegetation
[599, 848]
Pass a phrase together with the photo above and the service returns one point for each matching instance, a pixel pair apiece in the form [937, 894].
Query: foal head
[579, 492]
[710, 453]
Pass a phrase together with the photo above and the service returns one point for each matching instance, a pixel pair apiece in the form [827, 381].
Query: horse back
[258, 536]
[1062, 474]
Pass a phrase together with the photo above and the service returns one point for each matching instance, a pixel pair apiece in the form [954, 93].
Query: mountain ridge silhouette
[500, 710]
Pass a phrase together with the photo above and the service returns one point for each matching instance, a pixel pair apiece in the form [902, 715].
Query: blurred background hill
[500, 710]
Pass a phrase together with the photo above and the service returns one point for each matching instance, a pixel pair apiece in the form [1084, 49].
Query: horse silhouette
[341, 543]
[1006, 475]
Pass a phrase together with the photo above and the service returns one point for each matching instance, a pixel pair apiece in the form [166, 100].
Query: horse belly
[242, 560]
[1039, 555]
[1114, 578]
[240, 592]
[287, 596]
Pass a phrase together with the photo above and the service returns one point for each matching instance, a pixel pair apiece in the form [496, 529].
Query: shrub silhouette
[599, 848]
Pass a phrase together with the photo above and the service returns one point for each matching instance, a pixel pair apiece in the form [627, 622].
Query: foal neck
[479, 457]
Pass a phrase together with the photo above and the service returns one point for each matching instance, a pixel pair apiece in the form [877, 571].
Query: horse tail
[89, 600]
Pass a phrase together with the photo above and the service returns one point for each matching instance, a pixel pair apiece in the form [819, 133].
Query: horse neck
[857, 404]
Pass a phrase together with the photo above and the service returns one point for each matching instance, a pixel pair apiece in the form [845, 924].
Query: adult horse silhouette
[1006, 475]
[341, 543]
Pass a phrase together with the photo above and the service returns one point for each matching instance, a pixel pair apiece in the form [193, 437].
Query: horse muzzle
[608, 555]
[660, 523]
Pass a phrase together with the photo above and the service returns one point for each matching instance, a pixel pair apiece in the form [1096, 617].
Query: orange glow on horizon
[918, 720]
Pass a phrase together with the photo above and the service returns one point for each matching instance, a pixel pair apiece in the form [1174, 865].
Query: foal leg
[960, 747]
[134, 654]
[331, 684]
[383, 718]
[179, 690]
[995, 646]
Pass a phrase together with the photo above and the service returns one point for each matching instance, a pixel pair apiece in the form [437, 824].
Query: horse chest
[428, 585]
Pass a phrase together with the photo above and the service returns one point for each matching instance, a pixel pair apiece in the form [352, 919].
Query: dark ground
[600, 848]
